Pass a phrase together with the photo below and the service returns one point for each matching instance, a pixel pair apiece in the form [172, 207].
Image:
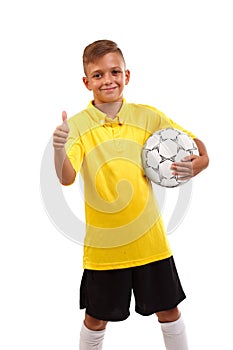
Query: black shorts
[106, 294]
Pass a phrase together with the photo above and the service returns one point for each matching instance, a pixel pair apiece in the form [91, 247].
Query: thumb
[64, 116]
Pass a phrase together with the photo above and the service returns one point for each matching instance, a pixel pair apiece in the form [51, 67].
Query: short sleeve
[74, 147]
[166, 122]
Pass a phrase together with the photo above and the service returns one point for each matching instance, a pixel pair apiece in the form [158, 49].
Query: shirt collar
[101, 117]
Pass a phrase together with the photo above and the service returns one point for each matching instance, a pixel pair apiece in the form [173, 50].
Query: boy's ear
[86, 83]
[127, 76]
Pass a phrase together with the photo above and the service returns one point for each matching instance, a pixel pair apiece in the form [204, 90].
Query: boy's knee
[94, 324]
[168, 315]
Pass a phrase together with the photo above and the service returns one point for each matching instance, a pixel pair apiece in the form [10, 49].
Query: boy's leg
[92, 333]
[173, 329]
[105, 294]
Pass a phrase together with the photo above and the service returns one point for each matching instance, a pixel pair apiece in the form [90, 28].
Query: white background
[180, 57]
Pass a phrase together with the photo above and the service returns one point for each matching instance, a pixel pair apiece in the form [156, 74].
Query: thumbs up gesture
[61, 133]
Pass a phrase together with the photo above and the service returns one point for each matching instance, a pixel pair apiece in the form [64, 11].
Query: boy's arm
[64, 169]
[192, 165]
[202, 161]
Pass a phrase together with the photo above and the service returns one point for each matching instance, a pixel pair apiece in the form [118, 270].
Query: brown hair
[98, 49]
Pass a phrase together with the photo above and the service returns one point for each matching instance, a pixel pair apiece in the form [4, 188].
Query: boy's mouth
[112, 88]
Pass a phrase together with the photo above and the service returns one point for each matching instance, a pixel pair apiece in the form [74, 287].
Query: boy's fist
[61, 133]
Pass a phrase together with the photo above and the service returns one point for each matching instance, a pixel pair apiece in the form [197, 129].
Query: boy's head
[105, 70]
[98, 49]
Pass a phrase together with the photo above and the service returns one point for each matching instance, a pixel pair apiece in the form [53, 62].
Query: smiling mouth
[109, 89]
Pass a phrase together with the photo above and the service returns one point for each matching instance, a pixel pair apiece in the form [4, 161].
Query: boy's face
[107, 77]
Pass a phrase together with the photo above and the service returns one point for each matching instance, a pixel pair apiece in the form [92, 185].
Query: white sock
[174, 335]
[91, 340]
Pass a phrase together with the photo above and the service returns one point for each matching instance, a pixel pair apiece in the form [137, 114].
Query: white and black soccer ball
[163, 148]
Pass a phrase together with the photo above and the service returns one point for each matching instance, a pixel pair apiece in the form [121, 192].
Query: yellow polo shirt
[124, 227]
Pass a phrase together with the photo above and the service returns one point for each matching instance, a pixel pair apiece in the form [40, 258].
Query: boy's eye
[97, 75]
[116, 72]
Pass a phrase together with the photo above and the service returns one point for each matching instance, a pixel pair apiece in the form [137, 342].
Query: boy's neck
[110, 108]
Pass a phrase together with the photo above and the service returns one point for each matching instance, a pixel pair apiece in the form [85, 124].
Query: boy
[126, 247]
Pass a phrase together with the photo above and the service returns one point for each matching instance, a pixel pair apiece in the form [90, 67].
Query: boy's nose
[107, 79]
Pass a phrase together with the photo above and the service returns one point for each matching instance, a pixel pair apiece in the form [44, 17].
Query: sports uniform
[124, 227]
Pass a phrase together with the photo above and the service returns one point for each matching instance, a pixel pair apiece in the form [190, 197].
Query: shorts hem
[166, 308]
[105, 318]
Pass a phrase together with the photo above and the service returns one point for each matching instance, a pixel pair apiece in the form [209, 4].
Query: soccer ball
[162, 149]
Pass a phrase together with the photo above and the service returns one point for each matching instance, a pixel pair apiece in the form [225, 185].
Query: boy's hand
[192, 165]
[61, 133]
[189, 167]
